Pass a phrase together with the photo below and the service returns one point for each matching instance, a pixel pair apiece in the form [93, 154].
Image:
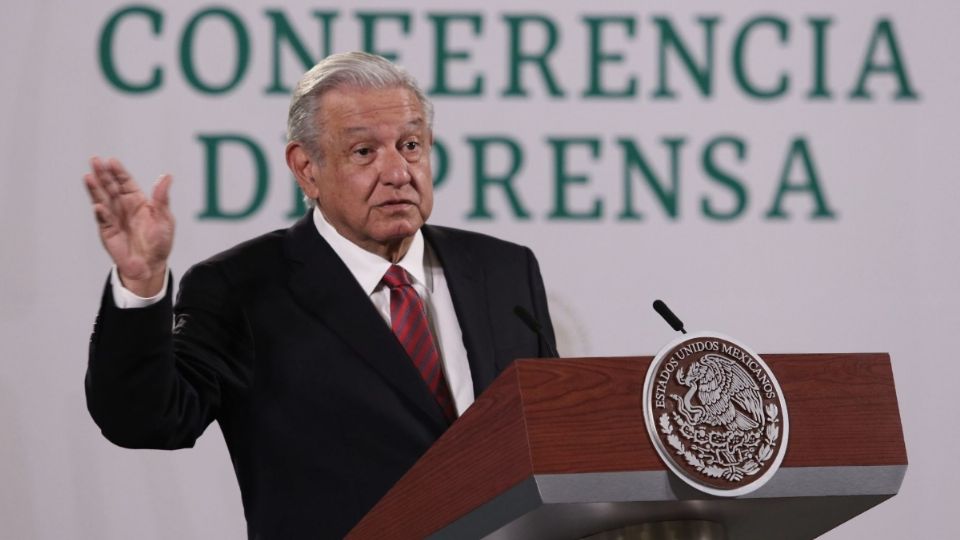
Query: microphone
[668, 316]
[534, 327]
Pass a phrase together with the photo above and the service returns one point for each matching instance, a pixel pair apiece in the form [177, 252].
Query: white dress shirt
[368, 269]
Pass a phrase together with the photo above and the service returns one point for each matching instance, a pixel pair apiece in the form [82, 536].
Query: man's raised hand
[137, 232]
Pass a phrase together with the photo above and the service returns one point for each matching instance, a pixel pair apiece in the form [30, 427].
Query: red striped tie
[409, 321]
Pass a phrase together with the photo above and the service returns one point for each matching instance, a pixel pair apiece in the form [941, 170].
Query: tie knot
[397, 277]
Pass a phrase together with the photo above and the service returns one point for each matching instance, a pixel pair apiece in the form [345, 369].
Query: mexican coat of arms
[716, 414]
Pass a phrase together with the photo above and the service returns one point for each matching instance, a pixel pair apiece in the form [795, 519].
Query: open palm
[137, 232]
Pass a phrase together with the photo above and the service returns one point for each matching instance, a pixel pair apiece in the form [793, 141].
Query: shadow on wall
[147, 488]
[86, 475]
[17, 512]
[573, 340]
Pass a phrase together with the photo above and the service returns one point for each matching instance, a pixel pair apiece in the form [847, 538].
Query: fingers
[102, 201]
[161, 191]
[104, 178]
[104, 192]
[109, 184]
[112, 178]
[103, 215]
[124, 181]
[97, 194]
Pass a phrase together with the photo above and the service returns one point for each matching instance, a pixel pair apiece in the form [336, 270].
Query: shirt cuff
[123, 298]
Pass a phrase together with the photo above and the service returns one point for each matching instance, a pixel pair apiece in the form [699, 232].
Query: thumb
[161, 191]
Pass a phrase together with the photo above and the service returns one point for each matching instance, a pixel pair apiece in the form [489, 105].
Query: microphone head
[668, 316]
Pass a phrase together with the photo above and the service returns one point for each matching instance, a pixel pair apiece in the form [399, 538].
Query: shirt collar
[368, 268]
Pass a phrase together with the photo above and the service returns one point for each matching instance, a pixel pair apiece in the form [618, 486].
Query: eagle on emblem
[720, 385]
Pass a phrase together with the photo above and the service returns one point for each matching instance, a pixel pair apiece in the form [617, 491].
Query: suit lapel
[466, 281]
[323, 285]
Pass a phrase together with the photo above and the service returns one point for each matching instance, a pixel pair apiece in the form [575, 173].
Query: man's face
[373, 181]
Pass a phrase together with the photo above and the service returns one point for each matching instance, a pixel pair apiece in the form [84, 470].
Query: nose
[395, 170]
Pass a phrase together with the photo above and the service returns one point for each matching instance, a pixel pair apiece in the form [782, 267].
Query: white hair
[351, 69]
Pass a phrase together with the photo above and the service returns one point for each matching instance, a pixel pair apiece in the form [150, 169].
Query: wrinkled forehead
[349, 114]
[349, 104]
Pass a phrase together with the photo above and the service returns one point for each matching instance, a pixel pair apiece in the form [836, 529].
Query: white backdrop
[879, 274]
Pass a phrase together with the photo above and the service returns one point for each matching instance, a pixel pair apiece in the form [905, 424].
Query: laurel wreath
[732, 473]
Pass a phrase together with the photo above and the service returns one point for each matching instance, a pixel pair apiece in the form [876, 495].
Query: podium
[557, 449]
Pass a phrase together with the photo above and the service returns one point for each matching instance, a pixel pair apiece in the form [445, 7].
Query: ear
[302, 166]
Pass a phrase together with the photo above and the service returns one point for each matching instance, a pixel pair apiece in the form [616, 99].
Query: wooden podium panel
[558, 449]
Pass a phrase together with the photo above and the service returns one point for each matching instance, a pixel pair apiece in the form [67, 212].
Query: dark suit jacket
[321, 409]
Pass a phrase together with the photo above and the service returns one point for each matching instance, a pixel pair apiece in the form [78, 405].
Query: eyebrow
[411, 126]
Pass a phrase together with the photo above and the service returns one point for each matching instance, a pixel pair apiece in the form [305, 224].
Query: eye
[363, 154]
[411, 146]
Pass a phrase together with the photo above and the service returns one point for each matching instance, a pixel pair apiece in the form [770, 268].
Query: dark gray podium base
[796, 504]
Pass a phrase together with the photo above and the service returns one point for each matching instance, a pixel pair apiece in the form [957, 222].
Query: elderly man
[332, 353]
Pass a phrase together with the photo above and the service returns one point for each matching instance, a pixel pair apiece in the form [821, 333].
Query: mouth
[395, 204]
